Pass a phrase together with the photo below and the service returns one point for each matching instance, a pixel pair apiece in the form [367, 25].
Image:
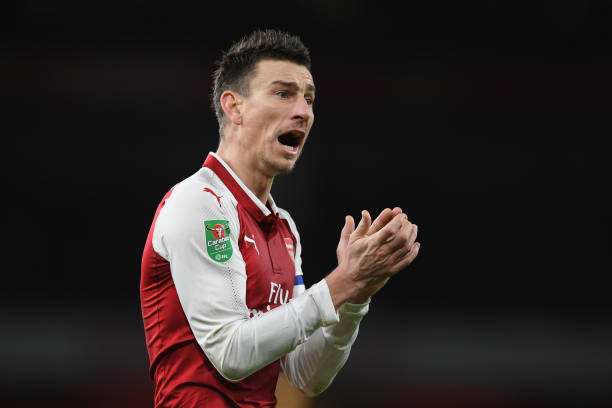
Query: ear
[231, 102]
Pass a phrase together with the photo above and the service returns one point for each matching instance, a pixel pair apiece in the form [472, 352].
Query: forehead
[268, 71]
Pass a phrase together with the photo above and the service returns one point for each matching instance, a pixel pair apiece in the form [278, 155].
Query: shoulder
[202, 192]
[284, 215]
[196, 199]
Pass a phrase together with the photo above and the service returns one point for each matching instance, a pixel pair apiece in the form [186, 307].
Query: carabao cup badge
[218, 244]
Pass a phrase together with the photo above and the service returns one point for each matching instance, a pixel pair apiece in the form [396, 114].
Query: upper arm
[206, 267]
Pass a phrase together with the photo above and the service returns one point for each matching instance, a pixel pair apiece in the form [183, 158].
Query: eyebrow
[293, 85]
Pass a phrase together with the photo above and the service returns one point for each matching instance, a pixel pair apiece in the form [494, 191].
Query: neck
[248, 172]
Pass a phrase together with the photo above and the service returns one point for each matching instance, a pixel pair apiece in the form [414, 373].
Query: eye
[283, 94]
[309, 100]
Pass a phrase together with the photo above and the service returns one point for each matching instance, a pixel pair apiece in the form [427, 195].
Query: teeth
[292, 148]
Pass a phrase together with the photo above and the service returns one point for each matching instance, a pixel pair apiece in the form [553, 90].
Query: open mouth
[291, 140]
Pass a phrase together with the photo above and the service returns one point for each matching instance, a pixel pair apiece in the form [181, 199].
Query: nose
[302, 110]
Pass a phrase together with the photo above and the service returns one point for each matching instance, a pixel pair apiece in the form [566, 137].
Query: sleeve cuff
[322, 298]
[343, 334]
[354, 311]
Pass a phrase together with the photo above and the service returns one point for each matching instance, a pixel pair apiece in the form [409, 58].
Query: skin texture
[280, 100]
[371, 254]
[401, 249]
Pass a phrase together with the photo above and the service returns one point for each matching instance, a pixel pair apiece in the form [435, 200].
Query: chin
[280, 167]
[285, 169]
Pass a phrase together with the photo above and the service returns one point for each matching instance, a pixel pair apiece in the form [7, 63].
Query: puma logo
[251, 240]
[208, 190]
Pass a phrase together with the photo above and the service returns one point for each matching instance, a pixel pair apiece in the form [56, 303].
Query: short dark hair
[236, 66]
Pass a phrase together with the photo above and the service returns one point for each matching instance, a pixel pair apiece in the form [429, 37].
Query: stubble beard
[278, 168]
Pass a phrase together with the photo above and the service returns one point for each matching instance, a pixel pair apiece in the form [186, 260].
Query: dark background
[486, 122]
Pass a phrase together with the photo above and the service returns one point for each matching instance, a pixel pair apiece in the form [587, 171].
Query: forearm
[314, 364]
[242, 347]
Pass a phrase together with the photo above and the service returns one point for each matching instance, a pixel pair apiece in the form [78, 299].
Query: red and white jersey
[223, 299]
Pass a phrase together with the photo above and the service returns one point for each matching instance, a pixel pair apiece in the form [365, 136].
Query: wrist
[339, 287]
[359, 299]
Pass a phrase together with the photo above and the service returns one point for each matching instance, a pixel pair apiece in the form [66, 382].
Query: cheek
[264, 119]
[253, 116]
[261, 115]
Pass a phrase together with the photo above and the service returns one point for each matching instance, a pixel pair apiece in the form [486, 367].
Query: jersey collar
[245, 197]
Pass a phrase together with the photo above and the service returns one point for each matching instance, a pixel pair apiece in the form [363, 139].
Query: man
[223, 299]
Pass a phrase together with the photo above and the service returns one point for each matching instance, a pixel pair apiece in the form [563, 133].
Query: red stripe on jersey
[164, 321]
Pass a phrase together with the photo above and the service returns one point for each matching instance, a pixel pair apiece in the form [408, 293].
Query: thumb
[345, 236]
[349, 227]
[363, 226]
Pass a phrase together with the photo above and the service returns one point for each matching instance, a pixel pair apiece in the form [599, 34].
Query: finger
[345, 234]
[383, 219]
[399, 252]
[404, 238]
[402, 245]
[349, 227]
[413, 235]
[363, 226]
[390, 229]
[407, 259]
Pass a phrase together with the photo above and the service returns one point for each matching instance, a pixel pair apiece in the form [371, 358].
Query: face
[277, 115]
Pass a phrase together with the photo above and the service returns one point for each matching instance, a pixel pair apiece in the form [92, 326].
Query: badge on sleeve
[218, 244]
